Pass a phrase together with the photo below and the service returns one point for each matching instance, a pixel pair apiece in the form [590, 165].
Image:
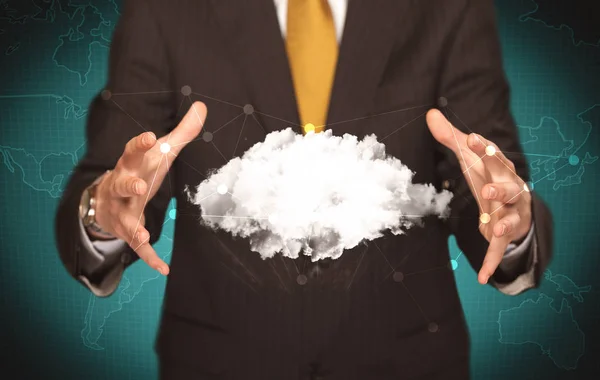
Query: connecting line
[145, 203]
[519, 193]
[552, 172]
[217, 100]
[499, 151]
[259, 124]
[169, 175]
[234, 217]
[206, 197]
[238, 277]
[415, 301]
[217, 149]
[141, 93]
[532, 154]
[426, 270]
[463, 160]
[221, 127]
[376, 115]
[196, 111]
[226, 124]
[397, 130]
[474, 163]
[403, 261]
[178, 110]
[240, 135]
[277, 118]
[357, 267]
[127, 113]
[199, 172]
[384, 256]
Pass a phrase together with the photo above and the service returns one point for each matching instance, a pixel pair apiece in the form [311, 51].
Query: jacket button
[301, 279]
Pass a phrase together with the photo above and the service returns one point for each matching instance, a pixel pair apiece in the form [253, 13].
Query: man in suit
[386, 309]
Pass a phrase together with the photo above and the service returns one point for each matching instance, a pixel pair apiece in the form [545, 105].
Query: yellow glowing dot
[308, 128]
[490, 150]
[485, 218]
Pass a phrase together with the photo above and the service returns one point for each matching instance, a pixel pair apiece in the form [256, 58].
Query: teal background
[53, 60]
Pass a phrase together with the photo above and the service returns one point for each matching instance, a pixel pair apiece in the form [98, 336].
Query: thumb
[444, 132]
[188, 129]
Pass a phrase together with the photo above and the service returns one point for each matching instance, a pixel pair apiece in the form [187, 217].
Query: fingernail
[161, 270]
[492, 192]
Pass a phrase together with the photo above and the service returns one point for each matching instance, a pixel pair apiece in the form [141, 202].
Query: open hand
[502, 196]
[124, 192]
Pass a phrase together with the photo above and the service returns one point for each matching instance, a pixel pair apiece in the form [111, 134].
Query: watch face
[84, 205]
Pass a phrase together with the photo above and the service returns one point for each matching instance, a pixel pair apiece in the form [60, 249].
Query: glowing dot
[172, 213]
[222, 189]
[165, 148]
[207, 136]
[485, 218]
[106, 94]
[442, 101]
[248, 109]
[453, 264]
[433, 327]
[490, 150]
[309, 128]
[530, 185]
[398, 276]
[526, 187]
[573, 160]
[186, 90]
[301, 279]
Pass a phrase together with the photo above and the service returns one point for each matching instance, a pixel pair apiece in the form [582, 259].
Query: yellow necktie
[312, 51]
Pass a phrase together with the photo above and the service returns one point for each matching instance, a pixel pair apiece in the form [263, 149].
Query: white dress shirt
[98, 251]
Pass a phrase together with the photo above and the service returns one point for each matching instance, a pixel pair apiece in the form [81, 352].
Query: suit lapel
[252, 36]
[370, 31]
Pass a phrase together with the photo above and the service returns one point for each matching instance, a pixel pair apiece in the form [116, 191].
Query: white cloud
[318, 194]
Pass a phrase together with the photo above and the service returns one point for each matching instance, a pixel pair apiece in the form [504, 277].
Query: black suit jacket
[386, 309]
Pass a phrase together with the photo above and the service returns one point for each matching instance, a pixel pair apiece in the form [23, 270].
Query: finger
[495, 161]
[493, 257]
[188, 129]
[136, 148]
[145, 251]
[446, 134]
[506, 225]
[135, 234]
[125, 186]
[505, 192]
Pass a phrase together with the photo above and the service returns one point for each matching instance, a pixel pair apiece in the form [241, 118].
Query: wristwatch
[87, 211]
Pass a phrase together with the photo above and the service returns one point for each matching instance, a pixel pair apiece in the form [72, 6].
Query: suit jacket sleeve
[136, 99]
[474, 84]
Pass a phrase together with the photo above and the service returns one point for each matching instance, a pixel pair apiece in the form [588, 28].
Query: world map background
[53, 60]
